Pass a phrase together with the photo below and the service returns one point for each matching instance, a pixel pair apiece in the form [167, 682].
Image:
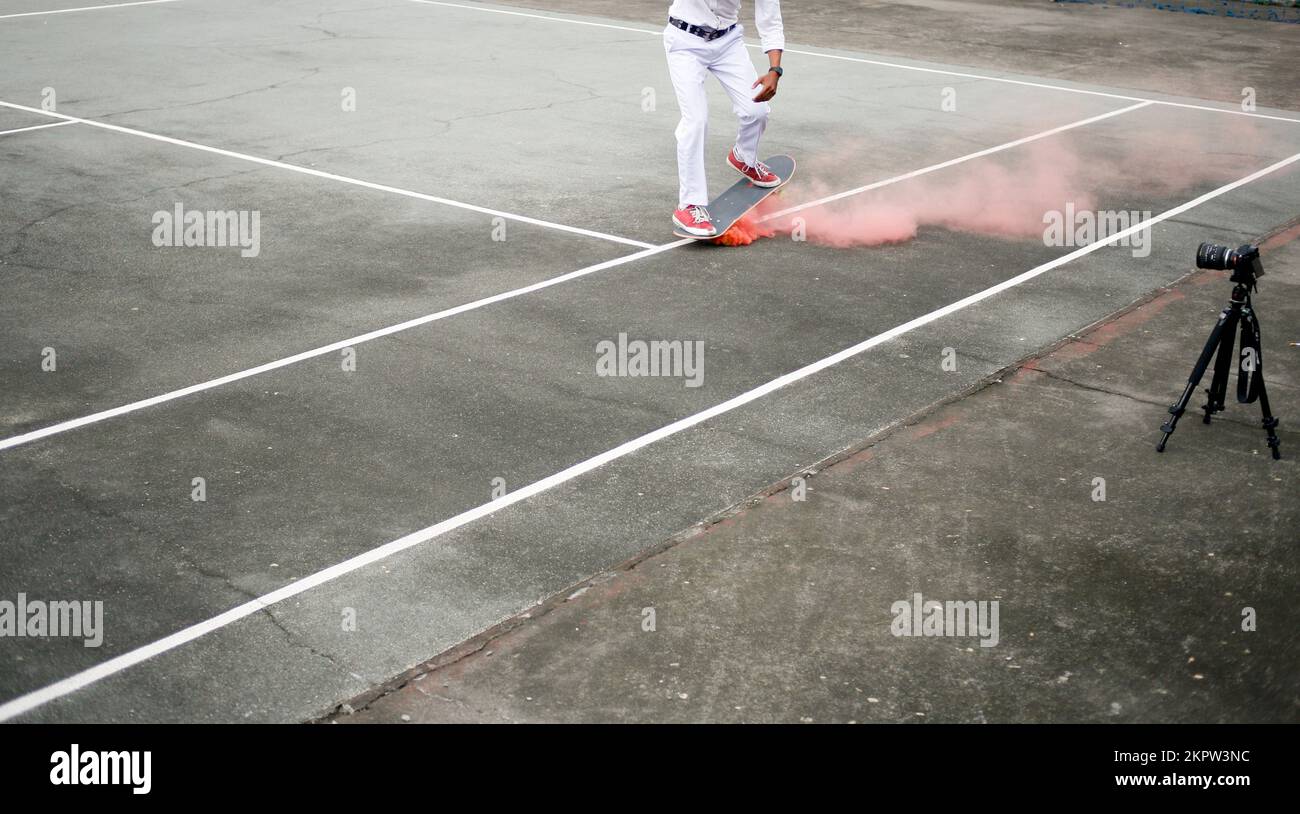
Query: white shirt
[723, 13]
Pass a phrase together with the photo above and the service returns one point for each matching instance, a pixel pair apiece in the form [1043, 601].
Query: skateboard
[741, 197]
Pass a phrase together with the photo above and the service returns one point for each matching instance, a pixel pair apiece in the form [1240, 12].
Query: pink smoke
[1007, 199]
[1006, 194]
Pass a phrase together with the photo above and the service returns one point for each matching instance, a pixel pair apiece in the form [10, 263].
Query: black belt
[699, 30]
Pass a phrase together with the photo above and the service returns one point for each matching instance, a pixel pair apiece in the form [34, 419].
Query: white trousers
[690, 59]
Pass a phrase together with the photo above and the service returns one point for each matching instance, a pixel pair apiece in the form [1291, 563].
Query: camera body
[1243, 261]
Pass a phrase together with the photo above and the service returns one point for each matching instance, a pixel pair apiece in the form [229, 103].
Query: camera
[1243, 261]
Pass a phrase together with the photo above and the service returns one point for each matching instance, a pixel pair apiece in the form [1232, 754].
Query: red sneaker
[759, 175]
[693, 219]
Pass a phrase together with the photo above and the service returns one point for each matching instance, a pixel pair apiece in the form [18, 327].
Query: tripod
[1250, 370]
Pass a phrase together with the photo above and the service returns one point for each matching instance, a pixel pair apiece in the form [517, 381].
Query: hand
[768, 81]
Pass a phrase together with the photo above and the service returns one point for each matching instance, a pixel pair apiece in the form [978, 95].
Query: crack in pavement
[295, 640]
[1223, 416]
[19, 236]
[273, 86]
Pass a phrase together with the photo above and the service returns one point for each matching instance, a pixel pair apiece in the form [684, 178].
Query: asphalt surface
[309, 464]
[1123, 609]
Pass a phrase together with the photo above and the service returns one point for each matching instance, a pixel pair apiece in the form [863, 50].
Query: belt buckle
[705, 32]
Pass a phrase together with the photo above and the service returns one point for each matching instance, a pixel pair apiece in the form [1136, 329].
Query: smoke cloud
[1007, 194]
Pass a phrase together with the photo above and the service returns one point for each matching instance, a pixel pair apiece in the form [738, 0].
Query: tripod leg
[1257, 385]
[1251, 366]
[1270, 422]
[1218, 389]
[1179, 407]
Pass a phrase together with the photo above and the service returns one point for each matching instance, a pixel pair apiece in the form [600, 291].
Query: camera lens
[1213, 256]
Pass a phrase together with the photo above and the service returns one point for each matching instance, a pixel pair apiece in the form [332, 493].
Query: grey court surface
[352, 396]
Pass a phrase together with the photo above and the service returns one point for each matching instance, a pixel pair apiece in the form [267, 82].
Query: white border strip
[84, 8]
[882, 63]
[72, 424]
[77, 681]
[356, 182]
[34, 127]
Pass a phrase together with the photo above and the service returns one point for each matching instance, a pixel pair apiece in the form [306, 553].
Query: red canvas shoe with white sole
[693, 219]
[758, 174]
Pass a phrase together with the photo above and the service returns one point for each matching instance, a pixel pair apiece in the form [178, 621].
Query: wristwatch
[777, 70]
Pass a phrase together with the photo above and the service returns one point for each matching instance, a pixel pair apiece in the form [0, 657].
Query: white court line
[93, 418]
[357, 182]
[1045, 86]
[543, 17]
[77, 681]
[34, 127]
[882, 63]
[85, 8]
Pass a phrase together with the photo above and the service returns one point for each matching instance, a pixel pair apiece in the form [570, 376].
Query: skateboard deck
[743, 196]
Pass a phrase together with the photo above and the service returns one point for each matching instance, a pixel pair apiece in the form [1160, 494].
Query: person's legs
[734, 69]
[687, 69]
